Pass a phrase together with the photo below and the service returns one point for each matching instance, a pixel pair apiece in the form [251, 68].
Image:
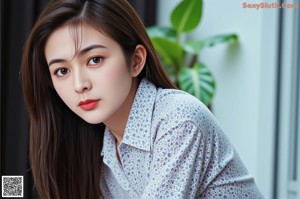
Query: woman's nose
[81, 82]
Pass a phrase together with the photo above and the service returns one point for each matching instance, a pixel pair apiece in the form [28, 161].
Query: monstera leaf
[197, 81]
[187, 15]
[170, 51]
[195, 47]
[162, 32]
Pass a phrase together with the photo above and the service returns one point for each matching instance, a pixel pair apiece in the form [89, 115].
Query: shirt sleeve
[190, 163]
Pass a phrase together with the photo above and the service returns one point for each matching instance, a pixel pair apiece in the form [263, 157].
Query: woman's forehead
[68, 40]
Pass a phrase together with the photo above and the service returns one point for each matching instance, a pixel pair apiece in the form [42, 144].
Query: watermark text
[265, 5]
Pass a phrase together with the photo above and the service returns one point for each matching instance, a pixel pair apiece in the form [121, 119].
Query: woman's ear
[138, 60]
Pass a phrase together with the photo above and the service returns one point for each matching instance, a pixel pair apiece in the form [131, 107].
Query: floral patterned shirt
[173, 148]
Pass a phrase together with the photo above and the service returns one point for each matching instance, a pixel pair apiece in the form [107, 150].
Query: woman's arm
[190, 163]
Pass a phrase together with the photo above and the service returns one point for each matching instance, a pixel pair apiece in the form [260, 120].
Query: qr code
[12, 186]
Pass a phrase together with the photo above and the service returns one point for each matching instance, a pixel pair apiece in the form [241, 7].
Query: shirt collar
[138, 128]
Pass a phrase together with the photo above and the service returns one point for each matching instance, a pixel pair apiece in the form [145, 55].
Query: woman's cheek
[118, 75]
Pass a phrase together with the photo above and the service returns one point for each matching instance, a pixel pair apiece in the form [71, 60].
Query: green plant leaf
[195, 47]
[170, 52]
[187, 15]
[165, 32]
[197, 81]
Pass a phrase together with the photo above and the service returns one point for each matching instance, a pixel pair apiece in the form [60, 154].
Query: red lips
[88, 104]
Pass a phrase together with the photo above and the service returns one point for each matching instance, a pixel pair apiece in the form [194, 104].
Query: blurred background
[257, 99]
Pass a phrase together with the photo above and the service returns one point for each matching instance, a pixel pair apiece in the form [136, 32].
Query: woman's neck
[117, 123]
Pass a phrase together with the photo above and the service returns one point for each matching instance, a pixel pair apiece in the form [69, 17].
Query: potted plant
[180, 57]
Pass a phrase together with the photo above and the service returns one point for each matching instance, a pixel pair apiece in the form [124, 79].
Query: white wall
[245, 73]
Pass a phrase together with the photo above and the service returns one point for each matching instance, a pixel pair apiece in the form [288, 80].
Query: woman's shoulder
[178, 106]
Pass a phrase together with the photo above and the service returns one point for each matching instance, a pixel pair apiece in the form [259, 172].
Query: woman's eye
[61, 72]
[95, 60]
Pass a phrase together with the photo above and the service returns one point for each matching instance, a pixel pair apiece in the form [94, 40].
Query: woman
[106, 121]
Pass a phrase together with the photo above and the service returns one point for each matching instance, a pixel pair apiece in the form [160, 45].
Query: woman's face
[94, 82]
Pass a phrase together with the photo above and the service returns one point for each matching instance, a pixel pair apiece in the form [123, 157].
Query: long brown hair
[65, 150]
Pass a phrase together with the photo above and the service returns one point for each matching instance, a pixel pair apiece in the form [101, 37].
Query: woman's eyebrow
[80, 53]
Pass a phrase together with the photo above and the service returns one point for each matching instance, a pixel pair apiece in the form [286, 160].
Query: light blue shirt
[173, 148]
